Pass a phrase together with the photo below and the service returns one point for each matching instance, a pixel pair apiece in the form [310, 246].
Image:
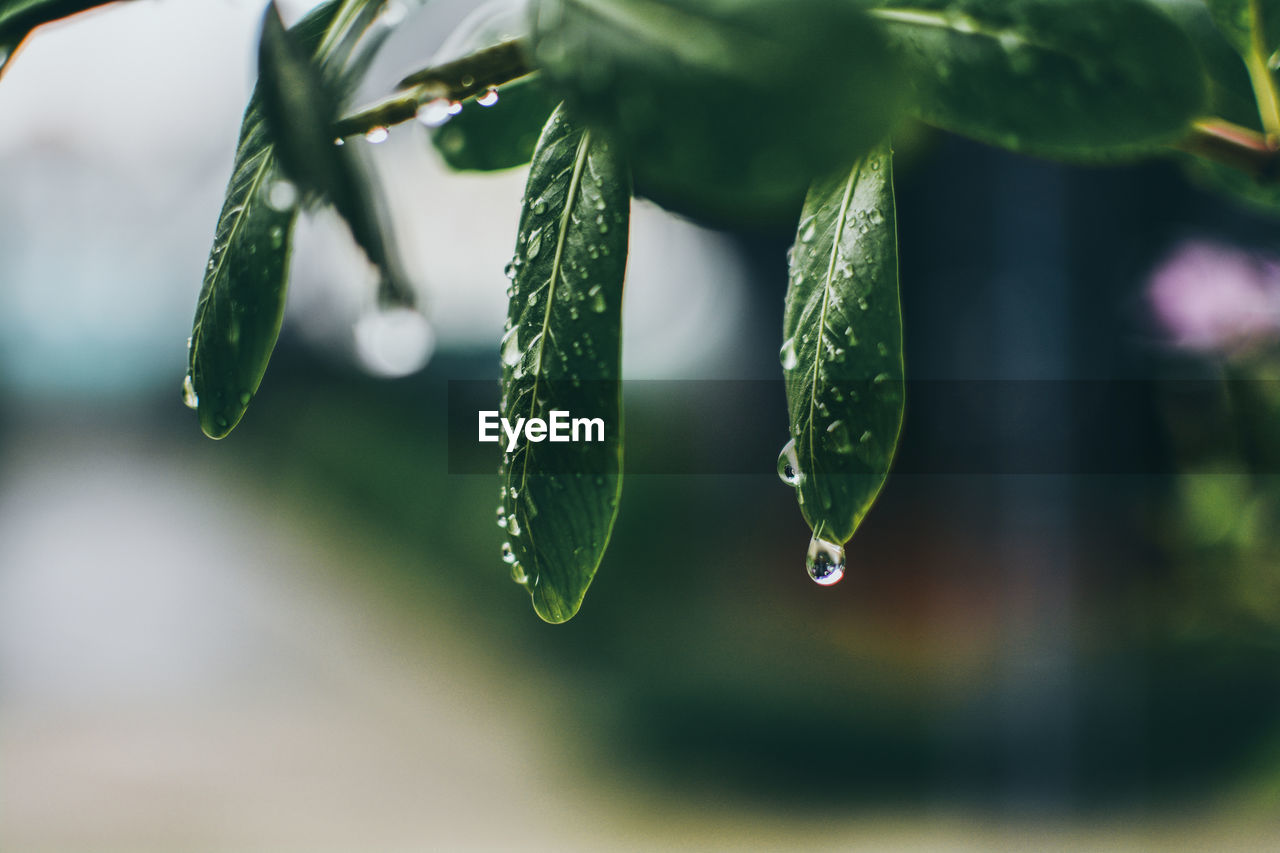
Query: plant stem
[1240, 148]
[1264, 85]
[454, 81]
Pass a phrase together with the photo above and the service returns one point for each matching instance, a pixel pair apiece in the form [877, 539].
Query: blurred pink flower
[1210, 297]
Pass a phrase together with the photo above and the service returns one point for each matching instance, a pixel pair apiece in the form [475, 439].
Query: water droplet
[789, 464]
[282, 196]
[393, 15]
[502, 517]
[840, 437]
[434, 113]
[377, 135]
[510, 270]
[539, 207]
[809, 233]
[880, 379]
[393, 342]
[597, 300]
[787, 355]
[863, 305]
[882, 349]
[535, 245]
[189, 392]
[489, 98]
[511, 351]
[824, 562]
[508, 556]
[513, 526]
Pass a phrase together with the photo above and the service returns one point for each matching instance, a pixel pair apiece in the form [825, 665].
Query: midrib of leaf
[571, 195]
[241, 213]
[826, 300]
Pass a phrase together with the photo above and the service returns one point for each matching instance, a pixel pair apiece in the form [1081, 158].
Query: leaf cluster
[743, 112]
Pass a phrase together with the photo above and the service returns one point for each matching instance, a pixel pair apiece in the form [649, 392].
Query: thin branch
[1240, 148]
[453, 81]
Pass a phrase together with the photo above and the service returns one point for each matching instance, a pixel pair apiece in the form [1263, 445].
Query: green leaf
[242, 299]
[19, 17]
[1064, 78]
[1242, 20]
[1230, 92]
[300, 108]
[725, 109]
[842, 355]
[501, 136]
[562, 351]
[1253, 28]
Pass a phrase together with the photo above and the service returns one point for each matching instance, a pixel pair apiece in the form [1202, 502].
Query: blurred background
[302, 637]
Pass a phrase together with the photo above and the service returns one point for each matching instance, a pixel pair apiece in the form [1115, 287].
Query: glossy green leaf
[562, 351]
[501, 136]
[242, 298]
[1242, 20]
[842, 350]
[300, 108]
[725, 109]
[19, 17]
[1065, 78]
[1230, 92]
[1253, 28]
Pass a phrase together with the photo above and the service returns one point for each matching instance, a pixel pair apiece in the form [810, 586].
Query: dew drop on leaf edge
[824, 562]
[789, 464]
[189, 398]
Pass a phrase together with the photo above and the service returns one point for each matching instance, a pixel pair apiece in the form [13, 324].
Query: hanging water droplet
[510, 270]
[339, 141]
[377, 135]
[393, 342]
[502, 517]
[824, 562]
[508, 556]
[489, 98]
[455, 107]
[434, 113]
[282, 196]
[787, 355]
[393, 15]
[189, 392]
[789, 464]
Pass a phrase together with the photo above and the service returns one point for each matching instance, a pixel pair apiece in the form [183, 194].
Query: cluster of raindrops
[437, 111]
[510, 524]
